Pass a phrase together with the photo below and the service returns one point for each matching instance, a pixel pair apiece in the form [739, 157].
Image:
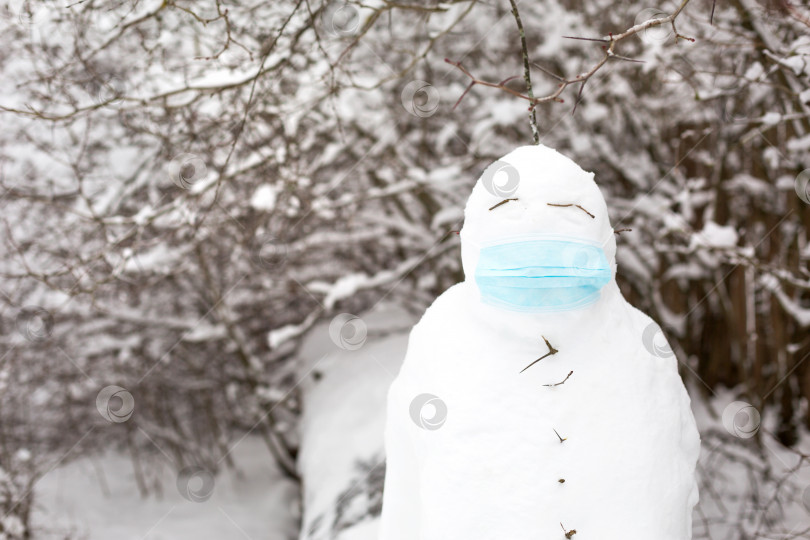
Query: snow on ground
[342, 464]
[344, 395]
[97, 498]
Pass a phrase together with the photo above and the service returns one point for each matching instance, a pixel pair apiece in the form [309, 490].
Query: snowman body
[596, 438]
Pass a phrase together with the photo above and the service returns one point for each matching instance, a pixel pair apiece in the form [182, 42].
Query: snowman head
[536, 233]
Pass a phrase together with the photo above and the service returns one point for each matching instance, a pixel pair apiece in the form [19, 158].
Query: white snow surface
[96, 497]
[492, 470]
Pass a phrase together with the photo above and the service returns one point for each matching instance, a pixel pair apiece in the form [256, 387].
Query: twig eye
[493, 207]
[572, 204]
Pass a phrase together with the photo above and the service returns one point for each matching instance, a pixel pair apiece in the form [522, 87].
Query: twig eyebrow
[572, 204]
[500, 203]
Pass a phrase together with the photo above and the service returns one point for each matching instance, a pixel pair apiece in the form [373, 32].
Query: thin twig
[562, 440]
[588, 39]
[527, 75]
[626, 59]
[474, 81]
[562, 381]
[579, 98]
[549, 73]
[551, 350]
[572, 204]
[619, 231]
[469, 87]
[493, 207]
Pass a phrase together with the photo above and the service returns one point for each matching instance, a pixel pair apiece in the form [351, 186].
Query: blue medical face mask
[542, 274]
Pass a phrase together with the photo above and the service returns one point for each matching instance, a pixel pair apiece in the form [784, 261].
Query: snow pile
[343, 392]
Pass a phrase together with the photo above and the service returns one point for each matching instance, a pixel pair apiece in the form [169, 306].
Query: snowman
[531, 404]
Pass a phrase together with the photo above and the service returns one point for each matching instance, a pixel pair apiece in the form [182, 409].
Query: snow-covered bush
[16, 481]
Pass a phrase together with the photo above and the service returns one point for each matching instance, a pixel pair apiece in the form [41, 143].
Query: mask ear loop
[623, 301]
[611, 234]
[470, 243]
[613, 264]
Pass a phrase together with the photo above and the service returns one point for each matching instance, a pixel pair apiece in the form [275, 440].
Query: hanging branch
[608, 47]
[527, 74]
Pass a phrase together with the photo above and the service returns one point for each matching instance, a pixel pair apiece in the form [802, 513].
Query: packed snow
[598, 437]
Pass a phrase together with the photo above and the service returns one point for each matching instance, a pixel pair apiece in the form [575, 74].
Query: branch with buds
[608, 46]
